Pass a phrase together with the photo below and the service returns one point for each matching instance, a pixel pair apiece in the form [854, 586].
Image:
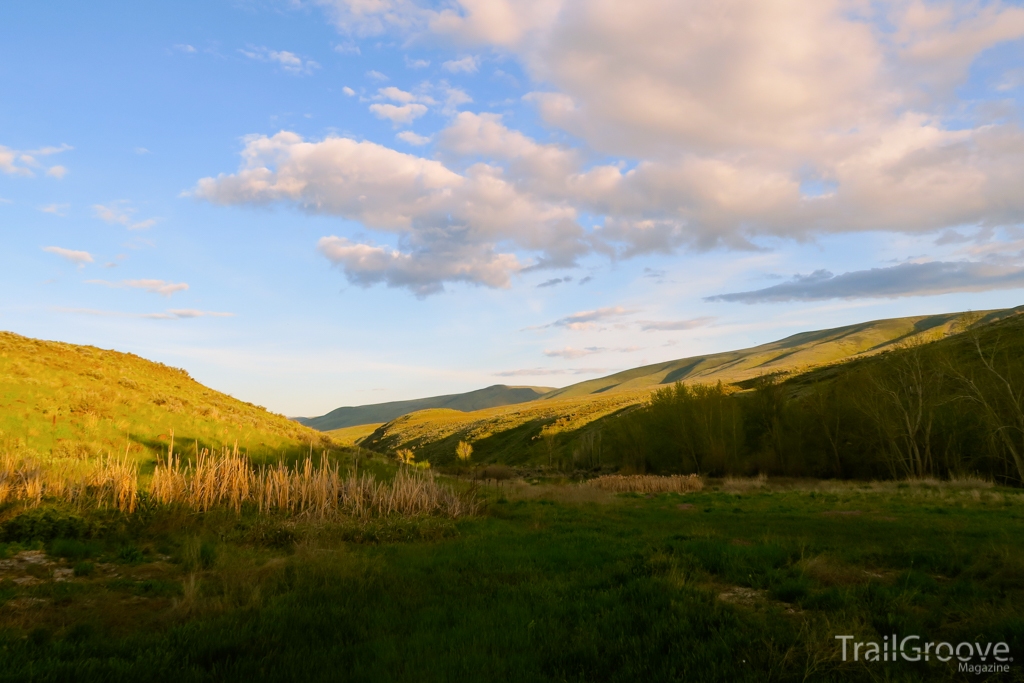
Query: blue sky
[337, 202]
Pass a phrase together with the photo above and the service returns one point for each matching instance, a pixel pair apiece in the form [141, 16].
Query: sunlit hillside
[81, 401]
[535, 432]
[792, 355]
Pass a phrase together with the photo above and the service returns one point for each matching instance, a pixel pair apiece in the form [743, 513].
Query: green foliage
[45, 524]
[945, 409]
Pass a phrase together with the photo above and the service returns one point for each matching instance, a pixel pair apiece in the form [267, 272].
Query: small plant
[84, 569]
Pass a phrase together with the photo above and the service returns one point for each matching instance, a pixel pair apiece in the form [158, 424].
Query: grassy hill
[80, 401]
[570, 418]
[792, 355]
[491, 397]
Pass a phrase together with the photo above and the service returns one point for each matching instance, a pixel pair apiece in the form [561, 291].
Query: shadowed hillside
[491, 397]
[81, 401]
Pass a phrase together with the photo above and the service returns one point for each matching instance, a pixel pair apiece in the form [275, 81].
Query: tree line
[953, 407]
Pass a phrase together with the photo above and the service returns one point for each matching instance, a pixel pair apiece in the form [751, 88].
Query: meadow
[153, 528]
[744, 580]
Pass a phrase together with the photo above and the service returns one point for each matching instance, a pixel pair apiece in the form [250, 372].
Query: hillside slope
[481, 399]
[81, 401]
[792, 355]
[529, 432]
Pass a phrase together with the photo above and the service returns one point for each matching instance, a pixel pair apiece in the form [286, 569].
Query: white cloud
[423, 272]
[450, 226]
[723, 112]
[587, 320]
[397, 95]
[22, 162]
[79, 258]
[376, 75]
[348, 91]
[674, 325]
[160, 287]
[348, 49]
[571, 353]
[120, 213]
[170, 314]
[187, 49]
[398, 115]
[416, 63]
[55, 209]
[543, 372]
[905, 279]
[467, 65]
[287, 61]
[412, 138]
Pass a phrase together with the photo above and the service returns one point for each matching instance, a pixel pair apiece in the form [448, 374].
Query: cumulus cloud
[26, 162]
[398, 115]
[120, 213]
[422, 272]
[723, 111]
[412, 138]
[79, 258]
[55, 209]
[467, 65]
[674, 325]
[450, 226]
[905, 279]
[698, 124]
[161, 287]
[289, 62]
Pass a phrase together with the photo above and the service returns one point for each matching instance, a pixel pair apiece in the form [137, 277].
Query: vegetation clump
[645, 483]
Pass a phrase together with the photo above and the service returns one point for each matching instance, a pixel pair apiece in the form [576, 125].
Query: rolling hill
[491, 397]
[72, 401]
[519, 434]
[792, 355]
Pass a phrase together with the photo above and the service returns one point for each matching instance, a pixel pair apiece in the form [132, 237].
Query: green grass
[79, 402]
[737, 583]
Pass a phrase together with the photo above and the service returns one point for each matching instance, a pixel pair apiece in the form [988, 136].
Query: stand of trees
[948, 408]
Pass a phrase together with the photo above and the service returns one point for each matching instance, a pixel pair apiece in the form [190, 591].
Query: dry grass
[107, 482]
[734, 484]
[643, 483]
[229, 480]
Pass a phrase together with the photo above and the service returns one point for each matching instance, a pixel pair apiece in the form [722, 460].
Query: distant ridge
[794, 354]
[490, 397]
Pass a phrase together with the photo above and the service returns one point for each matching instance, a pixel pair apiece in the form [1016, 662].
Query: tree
[464, 451]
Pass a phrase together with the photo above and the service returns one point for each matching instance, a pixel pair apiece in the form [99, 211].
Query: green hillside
[792, 355]
[570, 419]
[481, 399]
[80, 401]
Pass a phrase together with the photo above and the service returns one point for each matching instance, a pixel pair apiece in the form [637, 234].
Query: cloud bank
[905, 279]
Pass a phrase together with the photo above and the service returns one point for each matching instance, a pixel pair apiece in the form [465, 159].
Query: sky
[316, 203]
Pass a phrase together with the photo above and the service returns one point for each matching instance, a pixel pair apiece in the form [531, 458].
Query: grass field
[747, 580]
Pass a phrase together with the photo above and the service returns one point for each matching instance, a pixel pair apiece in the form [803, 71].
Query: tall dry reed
[643, 483]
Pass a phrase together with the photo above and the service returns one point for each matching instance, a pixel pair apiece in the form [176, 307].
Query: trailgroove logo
[974, 658]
